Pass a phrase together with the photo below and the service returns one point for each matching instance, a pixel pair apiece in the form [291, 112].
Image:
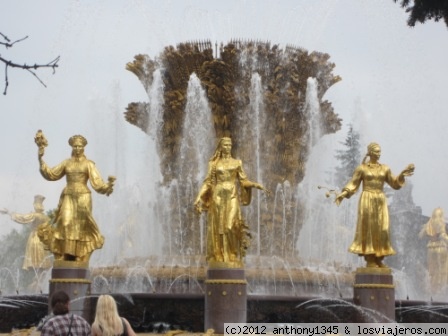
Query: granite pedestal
[73, 277]
[374, 289]
[225, 298]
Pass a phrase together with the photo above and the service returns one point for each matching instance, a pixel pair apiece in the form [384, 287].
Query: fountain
[256, 94]
[271, 102]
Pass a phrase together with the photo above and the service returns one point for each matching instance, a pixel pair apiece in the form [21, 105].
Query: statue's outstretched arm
[340, 197]
[260, 187]
[98, 183]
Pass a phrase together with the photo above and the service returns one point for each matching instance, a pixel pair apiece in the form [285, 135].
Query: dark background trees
[349, 157]
[422, 10]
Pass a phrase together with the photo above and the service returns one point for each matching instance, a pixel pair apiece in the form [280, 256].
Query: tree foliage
[422, 10]
[12, 247]
[349, 157]
[8, 43]
[12, 251]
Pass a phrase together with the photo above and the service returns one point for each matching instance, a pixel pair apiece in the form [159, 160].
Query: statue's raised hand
[409, 170]
[41, 143]
[110, 185]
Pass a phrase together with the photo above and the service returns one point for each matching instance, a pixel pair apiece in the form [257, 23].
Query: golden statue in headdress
[75, 234]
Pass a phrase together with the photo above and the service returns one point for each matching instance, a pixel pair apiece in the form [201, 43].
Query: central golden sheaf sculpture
[226, 81]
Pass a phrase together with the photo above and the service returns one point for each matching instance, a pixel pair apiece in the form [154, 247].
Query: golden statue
[225, 187]
[36, 256]
[437, 257]
[75, 234]
[372, 236]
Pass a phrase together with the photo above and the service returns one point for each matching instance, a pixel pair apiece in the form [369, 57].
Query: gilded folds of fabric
[36, 256]
[75, 232]
[220, 194]
[372, 235]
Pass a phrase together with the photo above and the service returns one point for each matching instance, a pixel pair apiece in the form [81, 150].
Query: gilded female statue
[224, 188]
[75, 234]
[437, 258]
[36, 256]
[372, 236]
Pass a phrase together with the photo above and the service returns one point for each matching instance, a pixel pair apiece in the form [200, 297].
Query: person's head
[437, 215]
[77, 142]
[373, 151]
[107, 317]
[106, 305]
[60, 303]
[224, 147]
[38, 203]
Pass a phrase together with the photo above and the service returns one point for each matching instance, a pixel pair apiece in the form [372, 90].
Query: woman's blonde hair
[106, 317]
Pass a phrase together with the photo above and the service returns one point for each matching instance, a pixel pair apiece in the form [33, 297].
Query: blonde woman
[107, 321]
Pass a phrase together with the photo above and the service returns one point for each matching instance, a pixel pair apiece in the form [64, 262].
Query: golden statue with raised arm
[36, 257]
[224, 189]
[372, 236]
[75, 234]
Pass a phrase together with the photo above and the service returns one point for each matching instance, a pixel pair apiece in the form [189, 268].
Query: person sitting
[107, 321]
[63, 323]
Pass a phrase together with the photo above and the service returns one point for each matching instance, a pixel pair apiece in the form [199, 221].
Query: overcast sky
[393, 86]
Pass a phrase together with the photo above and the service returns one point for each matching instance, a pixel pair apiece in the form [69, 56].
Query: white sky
[395, 77]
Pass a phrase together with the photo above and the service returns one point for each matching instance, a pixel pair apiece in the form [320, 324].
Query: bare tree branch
[8, 43]
[30, 68]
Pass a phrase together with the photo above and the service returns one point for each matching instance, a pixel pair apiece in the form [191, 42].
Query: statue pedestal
[225, 298]
[374, 290]
[73, 277]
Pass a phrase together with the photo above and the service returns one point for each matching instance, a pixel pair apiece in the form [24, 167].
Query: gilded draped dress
[35, 254]
[76, 232]
[372, 236]
[226, 240]
[437, 257]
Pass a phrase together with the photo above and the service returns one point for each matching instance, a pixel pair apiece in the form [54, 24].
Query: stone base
[225, 298]
[74, 278]
[374, 290]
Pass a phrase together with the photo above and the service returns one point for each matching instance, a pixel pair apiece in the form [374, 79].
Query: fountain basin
[159, 313]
